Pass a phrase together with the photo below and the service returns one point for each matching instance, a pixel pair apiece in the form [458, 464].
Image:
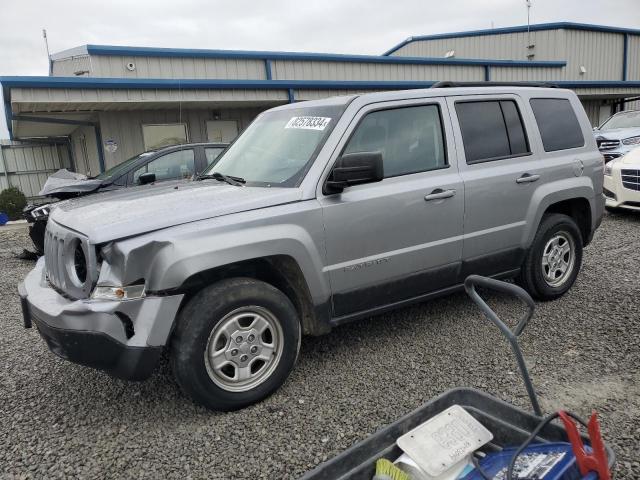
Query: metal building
[108, 102]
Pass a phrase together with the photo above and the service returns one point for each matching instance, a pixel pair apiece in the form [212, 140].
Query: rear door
[402, 237]
[504, 162]
[500, 171]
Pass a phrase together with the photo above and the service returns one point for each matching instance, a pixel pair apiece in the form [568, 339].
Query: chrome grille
[604, 144]
[59, 250]
[631, 179]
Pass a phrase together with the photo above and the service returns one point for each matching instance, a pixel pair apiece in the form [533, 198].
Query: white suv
[622, 182]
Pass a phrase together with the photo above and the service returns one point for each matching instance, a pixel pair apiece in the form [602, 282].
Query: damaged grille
[69, 263]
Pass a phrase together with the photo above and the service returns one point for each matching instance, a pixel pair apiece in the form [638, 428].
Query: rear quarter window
[559, 127]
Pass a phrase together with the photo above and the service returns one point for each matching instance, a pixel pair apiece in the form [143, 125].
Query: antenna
[46, 44]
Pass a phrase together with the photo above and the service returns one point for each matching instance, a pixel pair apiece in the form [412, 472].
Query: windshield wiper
[231, 180]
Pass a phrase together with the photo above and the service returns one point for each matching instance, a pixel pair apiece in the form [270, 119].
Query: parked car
[168, 163]
[622, 182]
[619, 134]
[320, 213]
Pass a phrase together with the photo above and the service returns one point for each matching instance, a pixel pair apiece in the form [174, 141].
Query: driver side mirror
[355, 169]
[146, 178]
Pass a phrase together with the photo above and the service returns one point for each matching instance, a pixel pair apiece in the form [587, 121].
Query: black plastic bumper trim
[99, 351]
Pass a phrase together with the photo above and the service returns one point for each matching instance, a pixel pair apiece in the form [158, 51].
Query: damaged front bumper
[123, 338]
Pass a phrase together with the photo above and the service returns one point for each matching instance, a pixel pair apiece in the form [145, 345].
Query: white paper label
[308, 123]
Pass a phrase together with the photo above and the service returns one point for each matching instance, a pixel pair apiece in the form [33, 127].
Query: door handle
[528, 178]
[439, 194]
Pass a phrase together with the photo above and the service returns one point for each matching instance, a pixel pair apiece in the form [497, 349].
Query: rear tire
[553, 261]
[235, 344]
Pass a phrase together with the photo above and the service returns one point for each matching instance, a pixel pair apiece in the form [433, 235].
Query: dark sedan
[169, 163]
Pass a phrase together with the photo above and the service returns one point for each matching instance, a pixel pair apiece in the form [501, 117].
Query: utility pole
[530, 46]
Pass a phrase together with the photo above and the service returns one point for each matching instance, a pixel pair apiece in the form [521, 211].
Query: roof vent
[450, 54]
[131, 66]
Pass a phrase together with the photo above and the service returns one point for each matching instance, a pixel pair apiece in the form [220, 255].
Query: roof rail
[453, 84]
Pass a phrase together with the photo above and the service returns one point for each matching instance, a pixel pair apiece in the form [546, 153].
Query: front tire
[553, 261]
[235, 344]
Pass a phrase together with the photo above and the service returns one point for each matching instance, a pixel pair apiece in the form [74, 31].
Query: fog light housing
[118, 293]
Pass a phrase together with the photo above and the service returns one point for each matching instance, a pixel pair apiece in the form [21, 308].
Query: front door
[402, 237]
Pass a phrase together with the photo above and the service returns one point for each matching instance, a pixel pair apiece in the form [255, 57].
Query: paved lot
[61, 420]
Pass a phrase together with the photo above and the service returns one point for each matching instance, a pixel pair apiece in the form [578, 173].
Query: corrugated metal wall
[592, 107]
[76, 99]
[69, 67]
[125, 128]
[313, 70]
[509, 46]
[166, 67]
[85, 150]
[633, 59]
[600, 53]
[634, 105]
[29, 165]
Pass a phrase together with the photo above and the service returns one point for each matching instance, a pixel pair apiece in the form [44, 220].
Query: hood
[133, 211]
[631, 159]
[65, 182]
[617, 133]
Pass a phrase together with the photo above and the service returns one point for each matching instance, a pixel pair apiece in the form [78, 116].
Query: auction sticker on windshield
[308, 123]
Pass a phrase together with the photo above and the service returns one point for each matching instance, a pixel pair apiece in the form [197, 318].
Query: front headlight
[118, 293]
[41, 212]
[631, 141]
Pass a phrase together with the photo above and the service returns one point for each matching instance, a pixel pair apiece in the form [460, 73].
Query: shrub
[12, 202]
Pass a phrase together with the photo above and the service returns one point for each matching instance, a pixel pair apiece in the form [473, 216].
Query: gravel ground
[61, 420]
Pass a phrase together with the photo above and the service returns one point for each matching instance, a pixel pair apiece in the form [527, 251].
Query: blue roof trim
[516, 29]
[302, 56]
[190, 84]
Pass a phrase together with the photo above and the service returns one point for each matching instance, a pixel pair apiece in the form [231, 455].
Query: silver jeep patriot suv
[320, 213]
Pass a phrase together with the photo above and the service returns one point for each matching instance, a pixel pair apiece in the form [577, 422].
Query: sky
[335, 26]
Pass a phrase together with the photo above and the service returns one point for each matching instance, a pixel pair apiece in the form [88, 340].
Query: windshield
[121, 168]
[279, 146]
[622, 120]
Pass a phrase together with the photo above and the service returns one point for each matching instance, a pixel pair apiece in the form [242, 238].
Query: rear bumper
[124, 338]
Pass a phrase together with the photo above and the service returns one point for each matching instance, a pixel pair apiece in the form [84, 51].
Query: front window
[622, 120]
[172, 166]
[121, 168]
[279, 146]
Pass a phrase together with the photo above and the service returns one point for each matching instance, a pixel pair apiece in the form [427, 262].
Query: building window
[411, 139]
[157, 136]
[491, 130]
[558, 124]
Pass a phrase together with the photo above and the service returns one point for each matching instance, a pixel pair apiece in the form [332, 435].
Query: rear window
[558, 124]
[491, 130]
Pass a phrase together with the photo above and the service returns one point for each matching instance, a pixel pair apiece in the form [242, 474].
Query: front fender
[178, 261]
